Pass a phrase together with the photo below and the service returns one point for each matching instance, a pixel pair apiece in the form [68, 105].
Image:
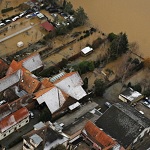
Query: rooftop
[13, 119]
[123, 122]
[99, 136]
[130, 94]
[47, 26]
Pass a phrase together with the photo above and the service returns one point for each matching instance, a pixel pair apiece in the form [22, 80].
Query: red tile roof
[28, 82]
[3, 66]
[46, 83]
[13, 119]
[14, 66]
[48, 26]
[99, 136]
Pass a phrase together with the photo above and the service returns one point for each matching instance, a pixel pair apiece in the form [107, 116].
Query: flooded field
[130, 16]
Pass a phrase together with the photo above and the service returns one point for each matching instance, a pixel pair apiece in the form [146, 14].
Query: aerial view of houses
[67, 85]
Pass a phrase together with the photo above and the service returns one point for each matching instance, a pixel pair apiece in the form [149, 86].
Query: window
[27, 121]
[4, 135]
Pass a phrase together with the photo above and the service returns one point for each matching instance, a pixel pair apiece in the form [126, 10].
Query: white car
[28, 16]
[2, 102]
[7, 21]
[2, 24]
[15, 18]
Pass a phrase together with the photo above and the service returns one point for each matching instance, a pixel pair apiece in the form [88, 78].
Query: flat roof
[86, 50]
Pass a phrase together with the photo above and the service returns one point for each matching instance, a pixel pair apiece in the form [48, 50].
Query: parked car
[108, 104]
[2, 24]
[31, 114]
[8, 21]
[15, 18]
[22, 14]
[28, 16]
[2, 102]
[35, 13]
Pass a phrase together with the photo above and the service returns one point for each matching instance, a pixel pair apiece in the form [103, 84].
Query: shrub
[7, 9]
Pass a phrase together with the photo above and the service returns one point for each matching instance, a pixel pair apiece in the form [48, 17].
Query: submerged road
[14, 34]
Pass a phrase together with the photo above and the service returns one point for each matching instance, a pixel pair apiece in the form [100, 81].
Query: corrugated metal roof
[56, 77]
[86, 50]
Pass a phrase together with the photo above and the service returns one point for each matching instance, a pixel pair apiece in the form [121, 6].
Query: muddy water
[130, 16]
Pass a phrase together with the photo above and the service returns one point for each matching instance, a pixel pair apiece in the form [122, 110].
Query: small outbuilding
[130, 96]
[47, 26]
[87, 50]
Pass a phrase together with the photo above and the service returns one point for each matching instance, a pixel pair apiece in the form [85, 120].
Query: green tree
[85, 85]
[68, 8]
[59, 147]
[99, 87]
[111, 36]
[118, 46]
[62, 30]
[80, 17]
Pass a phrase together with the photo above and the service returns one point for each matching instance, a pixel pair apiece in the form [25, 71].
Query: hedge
[7, 9]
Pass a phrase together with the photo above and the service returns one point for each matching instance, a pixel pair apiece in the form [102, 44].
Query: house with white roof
[71, 83]
[130, 96]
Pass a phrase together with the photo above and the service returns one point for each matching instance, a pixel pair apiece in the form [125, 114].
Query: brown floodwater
[130, 16]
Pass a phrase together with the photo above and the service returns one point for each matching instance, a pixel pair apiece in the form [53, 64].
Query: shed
[87, 50]
[47, 26]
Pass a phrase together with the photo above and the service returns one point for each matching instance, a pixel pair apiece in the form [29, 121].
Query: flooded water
[130, 16]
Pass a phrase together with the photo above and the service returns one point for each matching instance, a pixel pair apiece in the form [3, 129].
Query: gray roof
[123, 122]
[36, 139]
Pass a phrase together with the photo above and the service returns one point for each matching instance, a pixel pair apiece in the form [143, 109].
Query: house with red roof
[47, 26]
[13, 122]
[98, 138]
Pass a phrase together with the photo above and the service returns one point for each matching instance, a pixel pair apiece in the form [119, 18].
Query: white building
[87, 50]
[13, 122]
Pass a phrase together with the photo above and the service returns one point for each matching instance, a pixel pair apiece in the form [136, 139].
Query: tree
[59, 147]
[111, 36]
[80, 17]
[68, 8]
[99, 87]
[118, 46]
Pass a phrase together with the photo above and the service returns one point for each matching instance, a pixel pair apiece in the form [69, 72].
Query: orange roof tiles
[3, 66]
[41, 92]
[13, 119]
[28, 82]
[99, 136]
[46, 83]
[14, 66]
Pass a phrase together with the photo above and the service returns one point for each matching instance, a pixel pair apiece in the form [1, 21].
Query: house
[98, 138]
[13, 122]
[29, 82]
[53, 97]
[31, 63]
[10, 80]
[87, 50]
[44, 136]
[130, 96]
[3, 67]
[47, 26]
[71, 84]
[125, 124]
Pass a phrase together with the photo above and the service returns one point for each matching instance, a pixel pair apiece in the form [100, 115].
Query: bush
[7, 9]
[96, 43]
